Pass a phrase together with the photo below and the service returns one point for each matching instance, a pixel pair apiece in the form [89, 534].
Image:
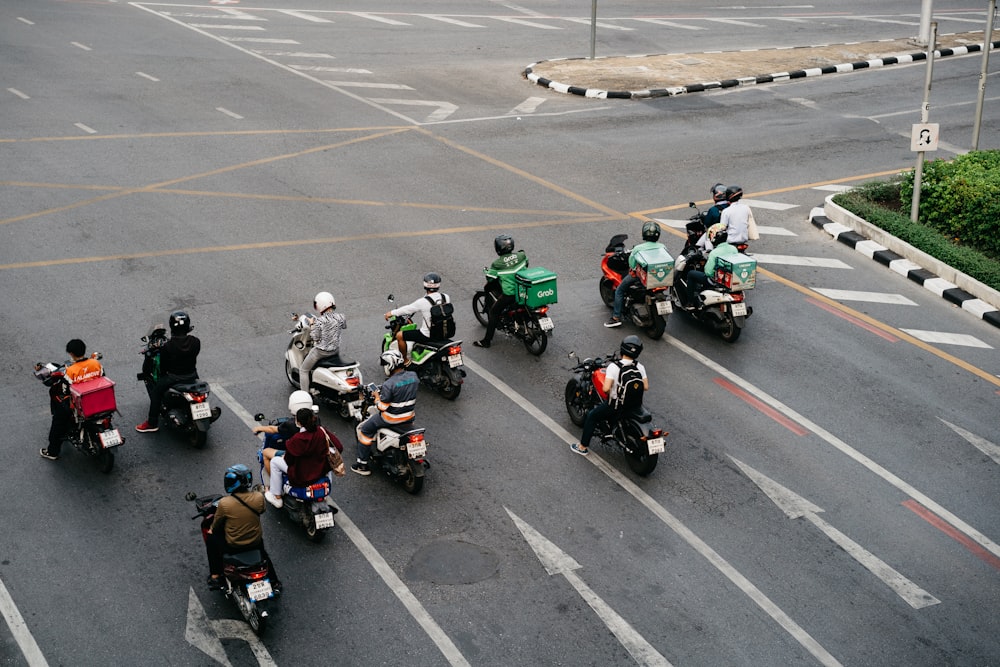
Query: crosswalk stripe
[448, 19]
[291, 54]
[606, 26]
[771, 205]
[369, 84]
[261, 40]
[323, 68]
[220, 26]
[304, 16]
[746, 24]
[792, 260]
[766, 230]
[945, 338]
[671, 24]
[870, 297]
[530, 24]
[380, 19]
[834, 187]
[872, 19]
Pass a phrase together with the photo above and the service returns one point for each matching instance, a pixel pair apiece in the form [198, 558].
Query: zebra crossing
[834, 265]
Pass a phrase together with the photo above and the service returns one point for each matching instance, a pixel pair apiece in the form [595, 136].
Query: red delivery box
[93, 396]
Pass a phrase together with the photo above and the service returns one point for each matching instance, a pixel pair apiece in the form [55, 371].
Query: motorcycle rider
[325, 331]
[432, 296]
[83, 368]
[630, 349]
[501, 282]
[698, 280]
[720, 203]
[275, 435]
[650, 238]
[178, 363]
[396, 401]
[304, 459]
[236, 527]
[737, 217]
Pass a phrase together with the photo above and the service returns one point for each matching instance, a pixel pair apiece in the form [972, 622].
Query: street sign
[924, 137]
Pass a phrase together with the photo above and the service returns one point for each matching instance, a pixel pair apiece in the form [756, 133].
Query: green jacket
[504, 268]
[645, 245]
[713, 257]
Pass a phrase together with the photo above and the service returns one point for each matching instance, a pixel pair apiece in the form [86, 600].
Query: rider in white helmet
[276, 434]
[326, 328]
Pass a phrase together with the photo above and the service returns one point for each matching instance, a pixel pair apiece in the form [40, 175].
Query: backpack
[442, 320]
[629, 389]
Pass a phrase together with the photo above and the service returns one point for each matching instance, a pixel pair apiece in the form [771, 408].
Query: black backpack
[442, 319]
[629, 389]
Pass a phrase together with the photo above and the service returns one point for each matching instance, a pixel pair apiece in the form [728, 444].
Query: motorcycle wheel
[288, 374]
[480, 307]
[729, 331]
[249, 610]
[449, 390]
[607, 293]
[412, 482]
[657, 327]
[106, 460]
[197, 437]
[534, 338]
[675, 300]
[575, 403]
[315, 534]
[639, 461]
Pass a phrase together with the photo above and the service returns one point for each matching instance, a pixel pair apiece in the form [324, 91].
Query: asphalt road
[160, 156]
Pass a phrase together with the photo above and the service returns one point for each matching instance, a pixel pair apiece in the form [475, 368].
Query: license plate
[545, 323]
[664, 308]
[259, 590]
[655, 445]
[111, 438]
[324, 520]
[454, 360]
[738, 309]
[416, 450]
[201, 410]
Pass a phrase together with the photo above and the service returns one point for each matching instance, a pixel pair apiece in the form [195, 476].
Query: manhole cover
[452, 562]
[690, 61]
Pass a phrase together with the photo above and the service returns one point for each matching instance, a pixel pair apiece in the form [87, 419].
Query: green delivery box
[736, 272]
[536, 286]
[653, 265]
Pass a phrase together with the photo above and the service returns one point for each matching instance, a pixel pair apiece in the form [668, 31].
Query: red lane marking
[763, 407]
[853, 320]
[949, 530]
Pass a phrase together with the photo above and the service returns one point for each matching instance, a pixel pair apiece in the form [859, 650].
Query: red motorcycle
[646, 303]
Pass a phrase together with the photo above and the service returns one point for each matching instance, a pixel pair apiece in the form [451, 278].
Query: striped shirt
[326, 331]
[397, 399]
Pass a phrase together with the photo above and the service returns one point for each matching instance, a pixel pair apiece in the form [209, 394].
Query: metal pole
[924, 117]
[990, 14]
[925, 22]
[593, 27]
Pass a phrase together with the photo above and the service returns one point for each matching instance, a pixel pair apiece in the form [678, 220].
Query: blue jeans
[597, 414]
[626, 283]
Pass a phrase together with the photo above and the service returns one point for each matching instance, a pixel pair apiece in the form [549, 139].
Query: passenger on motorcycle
[304, 458]
[698, 280]
[325, 332]
[650, 238]
[422, 306]
[630, 349]
[720, 203]
[501, 282]
[396, 401]
[275, 435]
[736, 216]
[83, 368]
[178, 363]
[236, 527]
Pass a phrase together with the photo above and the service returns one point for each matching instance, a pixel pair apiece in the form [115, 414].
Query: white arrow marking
[445, 109]
[199, 632]
[982, 444]
[795, 506]
[528, 106]
[556, 561]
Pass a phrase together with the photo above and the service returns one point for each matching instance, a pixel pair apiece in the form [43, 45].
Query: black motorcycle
[438, 363]
[399, 450]
[530, 325]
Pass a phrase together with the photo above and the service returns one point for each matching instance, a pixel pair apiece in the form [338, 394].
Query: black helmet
[180, 323]
[734, 192]
[718, 192]
[650, 231]
[432, 282]
[631, 347]
[503, 244]
[238, 478]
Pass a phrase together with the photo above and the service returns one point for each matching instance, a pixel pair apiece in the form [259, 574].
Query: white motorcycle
[400, 451]
[337, 380]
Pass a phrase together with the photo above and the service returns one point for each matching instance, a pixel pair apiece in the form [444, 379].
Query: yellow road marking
[178, 135]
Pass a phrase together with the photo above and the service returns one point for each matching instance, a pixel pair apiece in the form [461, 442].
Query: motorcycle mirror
[572, 354]
[190, 495]
[145, 339]
[259, 417]
[390, 299]
[691, 204]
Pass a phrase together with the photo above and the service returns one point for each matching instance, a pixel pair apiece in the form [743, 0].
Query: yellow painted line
[61, 186]
[179, 135]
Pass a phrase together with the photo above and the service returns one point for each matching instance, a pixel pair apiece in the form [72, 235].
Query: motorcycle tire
[639, 461]
[251, 612]
[657, 327]
[607, 293]
[413, 482]
[315, 535]
[449, 390]
[730, 331]
[534, 338]
[197, 438]
[575, 402]
[288, 374]
[106, 460]
[480, 306]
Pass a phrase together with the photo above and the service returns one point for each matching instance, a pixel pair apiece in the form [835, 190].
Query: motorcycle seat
[336, 361]
[316, 490]
[244, 558]
[402, 428]
[642, 415]
[191, 387]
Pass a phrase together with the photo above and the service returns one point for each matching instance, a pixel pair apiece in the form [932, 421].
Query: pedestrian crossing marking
[870, 297]
[792, 260]
[944, 338]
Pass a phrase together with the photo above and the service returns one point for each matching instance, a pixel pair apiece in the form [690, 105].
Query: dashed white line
[146, 76]
[261, 40]
[24, 20]
[369, 84]
[868, 297]
[304, 16]
[746, 24]
[229, 113]
[227, 26]
[85, 128]
[324, 68]
[792, 260]
[944, 338]
[524, 22]
[18, 628]
[671, 24]
[18, 93]
[81, 46]
[606, 26]
[291, 54]
[380, 19]
[448, 19]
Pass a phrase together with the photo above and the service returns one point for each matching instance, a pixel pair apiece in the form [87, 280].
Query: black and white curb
[748, 80]
[904, 267]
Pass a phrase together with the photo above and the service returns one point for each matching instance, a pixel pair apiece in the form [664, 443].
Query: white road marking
[527, 106]
[790, 20]
[146, 76]
[556, 561]
[24, 20]
[226, 26]
[606, 26]
[240, 14]
[766, 230]
[982, 444]
[524, 22]
[770, 205]
[17, 92]
[380, 19]
[304, 16]
[291, 54]
[19, 629]
[792, 260]
[872, 19]
[671, 24]
[835, 187]
[86, 128]
[685, 533]
[260, 40]
[944, 338]
[448, 19]
[745, 24]
[368, 84]
[324, 68]
[795, 507]
[869, 297]
[229, 113]
[371, 554]
[81, 46]
[445, 109]
[207, 634]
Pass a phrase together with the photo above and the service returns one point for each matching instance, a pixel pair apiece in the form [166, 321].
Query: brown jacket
[241, 523]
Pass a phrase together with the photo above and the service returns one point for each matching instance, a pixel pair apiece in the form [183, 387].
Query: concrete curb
[744, 81]
[902, 258]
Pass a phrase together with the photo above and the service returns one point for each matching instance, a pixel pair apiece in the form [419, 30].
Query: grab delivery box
[93, 397]
[536, 286]
[736, 272]
[653, 266]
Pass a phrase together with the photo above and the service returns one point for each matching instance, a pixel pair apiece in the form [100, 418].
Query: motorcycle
[438, 364]
[185, 405]
[93, 404]
[306, 505]
[336, 380]
[400, 451]
[722, 308]
[528, 319]
[642, 446]
[646, 302]
[244, 574]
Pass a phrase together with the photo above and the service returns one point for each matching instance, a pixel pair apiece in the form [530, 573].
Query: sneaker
[44, 453]
[613, 322]
[146, 427]
[214, 583]
[481, 343]
[274, 500]
[361, 467]
[579, 449]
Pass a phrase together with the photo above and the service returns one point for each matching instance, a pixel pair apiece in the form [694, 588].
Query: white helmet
[391, 360]
[323, 301]
[300, 399]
